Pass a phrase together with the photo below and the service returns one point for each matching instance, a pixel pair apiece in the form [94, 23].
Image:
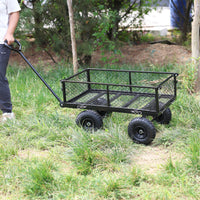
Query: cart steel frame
[103, 91]
[74, 101]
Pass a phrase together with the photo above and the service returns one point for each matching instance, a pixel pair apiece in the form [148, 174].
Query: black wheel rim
[87, 123]
[140, 132]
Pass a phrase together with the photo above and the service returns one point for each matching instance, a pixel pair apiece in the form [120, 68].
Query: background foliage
[97, 24]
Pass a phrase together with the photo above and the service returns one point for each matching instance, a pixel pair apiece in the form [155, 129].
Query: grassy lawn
[45, 155]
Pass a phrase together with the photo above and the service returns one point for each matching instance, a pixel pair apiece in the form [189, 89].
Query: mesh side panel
[74, 89]
[127, 78]
[123, 89]
[167, 89]
[82, 77]
[109, 77]
[147, 79]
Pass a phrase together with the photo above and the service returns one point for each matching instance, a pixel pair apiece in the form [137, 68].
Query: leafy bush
[97, 24]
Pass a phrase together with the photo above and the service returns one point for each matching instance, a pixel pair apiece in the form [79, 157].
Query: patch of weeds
[110, 188]
[164, 194]
[116, 155]
[41, 181]
[165, 179]
[172, 175]
[41, 131]
[185, 111]
[171, 168]
[11, 176]
[147, 37]
[136, 177]
[169, 136]
[120, 185]
[84, 153]
[7, 150]
[188, 77]
[90, 151]
[68, 185]
[116, 132]
[165, 140]
[193, 152]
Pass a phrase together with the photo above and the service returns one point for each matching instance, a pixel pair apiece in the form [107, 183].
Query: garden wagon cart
[103, 91]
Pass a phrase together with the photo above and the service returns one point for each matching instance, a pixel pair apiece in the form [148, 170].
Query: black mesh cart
[103, 91]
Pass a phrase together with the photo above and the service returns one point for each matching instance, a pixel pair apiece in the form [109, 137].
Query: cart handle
[11, 47]
[18, 50]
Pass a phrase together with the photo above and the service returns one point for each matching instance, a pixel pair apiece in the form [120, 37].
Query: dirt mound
[157, 54]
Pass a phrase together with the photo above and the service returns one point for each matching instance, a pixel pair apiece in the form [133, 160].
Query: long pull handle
[18, 50]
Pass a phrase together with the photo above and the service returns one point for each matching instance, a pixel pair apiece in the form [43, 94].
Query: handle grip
[18, 48]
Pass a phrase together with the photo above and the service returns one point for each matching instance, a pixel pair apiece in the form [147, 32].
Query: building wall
[162, 3]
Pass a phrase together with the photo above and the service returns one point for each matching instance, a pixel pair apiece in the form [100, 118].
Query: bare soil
[156, 54]
[152, 159]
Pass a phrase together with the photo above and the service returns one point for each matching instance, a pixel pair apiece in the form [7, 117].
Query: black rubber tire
[89, 120]
[165, 117]
[141, 131]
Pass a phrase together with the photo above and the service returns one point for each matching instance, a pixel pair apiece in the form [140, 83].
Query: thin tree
[195, 41]
[73, 38]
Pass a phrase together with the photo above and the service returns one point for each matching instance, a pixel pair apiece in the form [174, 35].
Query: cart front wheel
[165, 117]
[141, 131]
[89, 120]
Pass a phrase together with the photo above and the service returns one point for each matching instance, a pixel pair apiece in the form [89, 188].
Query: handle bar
[18, 48]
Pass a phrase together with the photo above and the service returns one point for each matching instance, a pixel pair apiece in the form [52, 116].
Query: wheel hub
[141, 131]
[88, 124]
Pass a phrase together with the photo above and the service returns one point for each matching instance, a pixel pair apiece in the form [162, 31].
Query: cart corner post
[88, 78]
[130, 81]
[156, 100]
[64, 91]
[175, 82]
[108, 95]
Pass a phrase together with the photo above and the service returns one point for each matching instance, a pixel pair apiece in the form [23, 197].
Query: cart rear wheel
[141, 130]
[165, 117]
[89, 120]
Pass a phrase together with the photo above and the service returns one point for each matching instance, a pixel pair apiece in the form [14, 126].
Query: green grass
[45, 155]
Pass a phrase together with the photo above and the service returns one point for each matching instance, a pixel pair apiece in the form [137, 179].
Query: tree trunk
[73, 39]
[195, 42]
